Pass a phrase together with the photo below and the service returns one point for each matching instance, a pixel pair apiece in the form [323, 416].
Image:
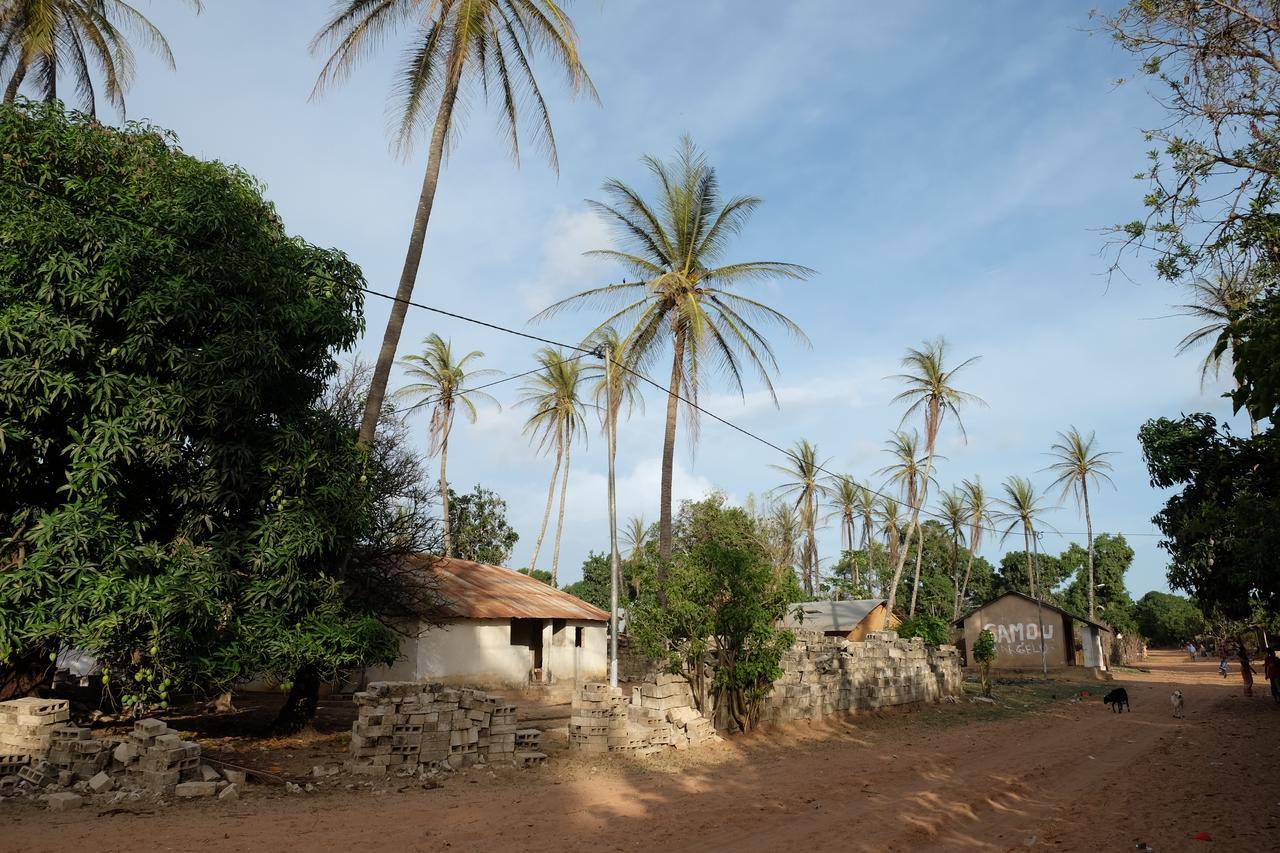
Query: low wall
[823, 676]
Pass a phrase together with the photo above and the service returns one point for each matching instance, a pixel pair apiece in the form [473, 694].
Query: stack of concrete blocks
[408, 725]
[158, 758]
[599, 713]
[26, 734]
[74, 750]
[666, 706]
[823, 675]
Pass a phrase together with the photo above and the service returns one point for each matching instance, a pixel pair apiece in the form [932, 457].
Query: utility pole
[1044, 645]
[615, 572]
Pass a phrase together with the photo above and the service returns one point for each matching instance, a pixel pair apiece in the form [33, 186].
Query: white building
[502, 629]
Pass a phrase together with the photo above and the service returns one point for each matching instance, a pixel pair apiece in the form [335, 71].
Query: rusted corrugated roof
[479, 591]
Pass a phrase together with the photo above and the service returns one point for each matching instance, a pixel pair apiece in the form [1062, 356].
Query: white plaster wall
[590, 662]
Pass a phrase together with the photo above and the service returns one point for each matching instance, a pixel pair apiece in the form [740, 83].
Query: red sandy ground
[1068, 776]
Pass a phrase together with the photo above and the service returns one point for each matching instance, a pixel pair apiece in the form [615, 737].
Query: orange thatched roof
[479, 591]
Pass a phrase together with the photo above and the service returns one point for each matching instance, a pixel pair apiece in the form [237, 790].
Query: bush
[984, 652]
[932, 629]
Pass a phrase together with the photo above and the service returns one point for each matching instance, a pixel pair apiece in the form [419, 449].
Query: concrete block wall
[823, 676]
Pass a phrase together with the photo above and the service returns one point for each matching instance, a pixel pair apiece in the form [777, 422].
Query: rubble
[64, 801]
[659, 716]
[411, 725]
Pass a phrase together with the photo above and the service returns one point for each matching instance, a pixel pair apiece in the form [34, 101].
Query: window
[577, 638]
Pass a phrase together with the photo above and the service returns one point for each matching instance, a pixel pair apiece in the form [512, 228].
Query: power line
[512, 378]
[583, 351]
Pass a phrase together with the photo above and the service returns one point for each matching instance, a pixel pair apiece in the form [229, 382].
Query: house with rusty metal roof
[501, 628]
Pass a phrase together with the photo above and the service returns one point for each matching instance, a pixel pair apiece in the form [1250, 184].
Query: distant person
[1246, 671]
[1191, 651]
[1222, 664]
[1272, 670]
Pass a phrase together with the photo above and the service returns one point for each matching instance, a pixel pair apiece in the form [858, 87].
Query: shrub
[932, 629]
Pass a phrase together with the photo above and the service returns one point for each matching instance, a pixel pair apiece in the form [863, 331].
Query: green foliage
[724, 600]
[478, 527]
[1112, 558]
[594, 586]
[172, 500]
[1254, 338]
[1220, 529]
[1011, 575]
[984, 652]
[539, 575]
[1167, 619]
[933, 629]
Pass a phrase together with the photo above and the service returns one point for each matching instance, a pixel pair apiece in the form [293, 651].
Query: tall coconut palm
[806, 487]
[441, 381]
[1079, 463]
[680, 297]
[635, 535]
[929, 391]
[866, 509]
[559, 414]
[458, 47]
[1021, 508]
[844, 493]
[50, 41]
[978, 513]
[951, 506]
[785, 527]
[1218, 302]
[907, 474]
[891, 527]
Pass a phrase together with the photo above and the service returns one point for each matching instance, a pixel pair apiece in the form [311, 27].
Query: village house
[848, 619]
[1030, 634]
[502, 629]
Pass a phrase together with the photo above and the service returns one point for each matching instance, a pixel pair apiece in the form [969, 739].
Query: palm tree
[806, 487]
[929, 390]
[978, 514]
[558, 415]
[459, 45]
[845, 492]
[1219, 303]
[954, 512]
[1078, 463]
[866, 508]
[906, 474]
[785, 526]
[1022, 508]
[891, 526]
[441, 381]
[680, 295]
[49, 37]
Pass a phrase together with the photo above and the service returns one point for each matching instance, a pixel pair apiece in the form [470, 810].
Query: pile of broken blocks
[65, 764]
[410, 727]
[660, 716]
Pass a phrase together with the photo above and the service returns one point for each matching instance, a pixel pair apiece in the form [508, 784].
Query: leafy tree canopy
[594, 586]
[1168, 619]
[1112, 558]
[932, 629]
[172, 499]
[724, 600]
[1220, 529]
[479, 528]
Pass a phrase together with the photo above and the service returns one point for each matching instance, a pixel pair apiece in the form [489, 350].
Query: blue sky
[945, 167]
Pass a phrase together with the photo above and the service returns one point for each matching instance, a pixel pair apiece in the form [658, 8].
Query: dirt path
[1070, 776]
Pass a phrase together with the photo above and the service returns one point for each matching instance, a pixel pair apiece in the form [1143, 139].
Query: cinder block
[196, 789]
[64, 801]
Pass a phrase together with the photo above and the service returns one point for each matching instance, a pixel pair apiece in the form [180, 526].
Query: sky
[948, 169]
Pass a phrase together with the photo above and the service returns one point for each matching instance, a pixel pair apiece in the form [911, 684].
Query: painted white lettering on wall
[1018, 638]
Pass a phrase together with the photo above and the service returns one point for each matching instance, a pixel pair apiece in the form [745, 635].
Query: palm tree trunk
[964, 587]
[955, 561]
[413, 255]
[1088, 526]
[444, 490]
[914, 526]
[564, 490]
[1031, 572]
[915, 585]
[15, 83]
[546, 513]
[813, 544]
[668, 461]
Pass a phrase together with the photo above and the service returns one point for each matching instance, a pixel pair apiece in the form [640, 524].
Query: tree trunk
[1088, 526]
[546, 513]
[444, 488]
[413, 256]
[1031, 572]
[300, 707]
[668, 461]
[900, 563]
[915, 585]
[564, 489]
[964, 587]
[812, 545]
[15, 83]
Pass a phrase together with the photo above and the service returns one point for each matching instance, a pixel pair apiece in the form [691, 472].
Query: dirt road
[1069, 776]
